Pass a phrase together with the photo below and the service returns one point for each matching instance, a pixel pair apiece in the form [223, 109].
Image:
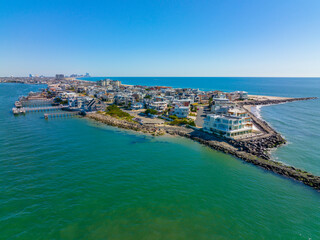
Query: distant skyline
[217, 38]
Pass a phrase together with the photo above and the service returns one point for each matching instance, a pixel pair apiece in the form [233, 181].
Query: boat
[17, 111]
[18, 104]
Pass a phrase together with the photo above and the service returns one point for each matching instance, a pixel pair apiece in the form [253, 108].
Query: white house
[227, 125]
[159, 106]
[181, 111]
[220, 103]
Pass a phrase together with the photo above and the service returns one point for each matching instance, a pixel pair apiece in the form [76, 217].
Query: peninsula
[223, 121]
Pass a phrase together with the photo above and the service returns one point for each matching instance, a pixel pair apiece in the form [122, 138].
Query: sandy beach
[263, 98]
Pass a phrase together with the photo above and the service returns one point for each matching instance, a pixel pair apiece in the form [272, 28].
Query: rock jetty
[276, 167]
[254, 151]
[273, 101]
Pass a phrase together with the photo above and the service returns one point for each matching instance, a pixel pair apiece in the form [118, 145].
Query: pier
[61, 115]
[36, 102]
[24, 110]
[41, 109]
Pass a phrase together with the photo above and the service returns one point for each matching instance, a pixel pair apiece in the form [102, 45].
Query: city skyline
[161, 38]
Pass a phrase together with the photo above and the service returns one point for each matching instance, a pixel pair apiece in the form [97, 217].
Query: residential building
[181, 111]
[227, 125]
[159, 106]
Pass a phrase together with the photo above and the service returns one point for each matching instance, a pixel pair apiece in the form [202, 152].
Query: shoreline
[252, 151]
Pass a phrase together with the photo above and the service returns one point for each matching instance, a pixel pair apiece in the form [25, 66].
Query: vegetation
[59, 100]
[151, 111]
[115, 111]
[128, 106]
[183, 121]
[210, 101]
[194, 107]
[173, 117]
[147, 97]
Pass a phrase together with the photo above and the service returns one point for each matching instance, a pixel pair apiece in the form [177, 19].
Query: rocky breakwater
[125, 124]
[242, 153]
[260, 146]
[250, 151]
[273, 101]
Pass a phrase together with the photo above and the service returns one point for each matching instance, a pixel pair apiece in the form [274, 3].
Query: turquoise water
[297, 121]
[78, 179]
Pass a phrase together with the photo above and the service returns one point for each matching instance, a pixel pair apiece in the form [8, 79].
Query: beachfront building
[220, 105]
[237, 95]
[104, 82]
[227, 125]
[116, 83]
[108, 82]
[243, 95]
[238, 112]
[181, 111]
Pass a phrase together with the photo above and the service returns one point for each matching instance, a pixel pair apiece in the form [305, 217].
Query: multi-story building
[219, 104]
[227, 125]
[181, 111]
[59, 76]
[159, 106]
[237, 95]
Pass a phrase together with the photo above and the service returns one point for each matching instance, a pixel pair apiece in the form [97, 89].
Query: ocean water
[78, 179]
[298, 121]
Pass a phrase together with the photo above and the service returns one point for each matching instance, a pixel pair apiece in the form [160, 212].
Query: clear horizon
[167, 76]
[161, 38]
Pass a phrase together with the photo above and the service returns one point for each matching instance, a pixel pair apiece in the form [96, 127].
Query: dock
[23, 110]
[60, 115]
[41, 109]
[35, 102]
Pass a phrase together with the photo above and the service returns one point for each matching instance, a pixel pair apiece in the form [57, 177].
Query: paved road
[200, 116]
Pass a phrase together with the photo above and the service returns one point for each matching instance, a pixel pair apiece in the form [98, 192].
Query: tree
[151, 111]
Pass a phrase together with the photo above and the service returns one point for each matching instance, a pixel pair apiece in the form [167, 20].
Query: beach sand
[262, 98]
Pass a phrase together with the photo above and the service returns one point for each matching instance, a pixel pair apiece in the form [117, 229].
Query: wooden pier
[60, 115]
[23, 110]
[36, 102]
[41, 109]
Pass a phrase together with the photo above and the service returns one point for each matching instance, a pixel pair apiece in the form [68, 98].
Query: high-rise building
[59, 76]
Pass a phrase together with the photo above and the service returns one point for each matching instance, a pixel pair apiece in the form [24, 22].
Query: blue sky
[160, 37]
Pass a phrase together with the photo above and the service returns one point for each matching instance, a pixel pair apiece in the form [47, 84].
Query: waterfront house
[227, 125]
[180, 111]
[237, 95]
